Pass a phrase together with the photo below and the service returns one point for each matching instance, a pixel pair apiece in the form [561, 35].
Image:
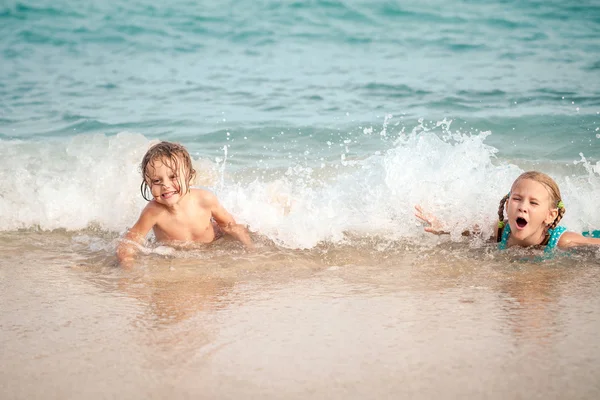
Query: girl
[533, 209]
[175, 212]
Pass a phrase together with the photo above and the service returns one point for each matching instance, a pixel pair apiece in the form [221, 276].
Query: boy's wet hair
[171, 154]
[553, 190]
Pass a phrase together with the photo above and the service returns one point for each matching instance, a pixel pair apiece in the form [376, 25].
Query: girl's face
[167, 185]
[530, 211]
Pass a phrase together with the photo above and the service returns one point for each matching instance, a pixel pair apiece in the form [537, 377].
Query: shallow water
[448, 321]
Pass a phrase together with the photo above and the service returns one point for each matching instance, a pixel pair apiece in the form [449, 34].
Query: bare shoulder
[572, 239]
[149, 217]
[152, 210]
[151, 214]
[204, 197]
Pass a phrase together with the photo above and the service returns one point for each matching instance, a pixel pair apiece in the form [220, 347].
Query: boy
[175, 212]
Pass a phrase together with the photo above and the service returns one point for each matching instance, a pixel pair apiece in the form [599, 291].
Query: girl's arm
[572, 239]
[128, 245]
[433, 224]
[438, 228]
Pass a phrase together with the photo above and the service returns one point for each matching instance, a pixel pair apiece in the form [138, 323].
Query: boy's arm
[227, 222]
[572, 239]
[128, 245]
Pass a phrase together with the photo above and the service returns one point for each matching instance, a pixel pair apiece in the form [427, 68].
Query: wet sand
[340, 322]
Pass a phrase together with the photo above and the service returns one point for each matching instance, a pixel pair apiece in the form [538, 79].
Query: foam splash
[93, 180]
[454, 175]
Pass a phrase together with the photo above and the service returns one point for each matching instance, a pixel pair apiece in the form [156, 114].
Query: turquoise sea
[319, 124]
[359, 106]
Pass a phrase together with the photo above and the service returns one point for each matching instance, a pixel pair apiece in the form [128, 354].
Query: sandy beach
[343, 323]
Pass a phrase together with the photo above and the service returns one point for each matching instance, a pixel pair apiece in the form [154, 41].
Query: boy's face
[529, 210]
[167, 184]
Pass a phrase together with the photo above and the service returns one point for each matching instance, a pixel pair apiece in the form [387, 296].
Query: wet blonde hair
[171, 154]
[553, 190]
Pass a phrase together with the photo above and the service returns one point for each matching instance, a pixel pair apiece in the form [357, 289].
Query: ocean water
[354, 111]
[319, 124]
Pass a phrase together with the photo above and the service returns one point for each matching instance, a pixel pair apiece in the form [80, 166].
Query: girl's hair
[171, 154]
[553, 190]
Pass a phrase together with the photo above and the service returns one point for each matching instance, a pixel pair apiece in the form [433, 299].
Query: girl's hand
[434, 226]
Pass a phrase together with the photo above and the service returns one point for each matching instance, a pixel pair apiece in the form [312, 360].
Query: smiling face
[166, 165]
[167, 180]
[530, 210]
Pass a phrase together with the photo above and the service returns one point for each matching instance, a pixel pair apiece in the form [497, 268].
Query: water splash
[93, 180]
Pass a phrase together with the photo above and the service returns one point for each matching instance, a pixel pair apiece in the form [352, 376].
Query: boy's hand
[126, 252]
[240, 233]
[434, 226]
[126, 263]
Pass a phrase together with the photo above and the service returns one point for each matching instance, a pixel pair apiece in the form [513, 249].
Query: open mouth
[521, 222]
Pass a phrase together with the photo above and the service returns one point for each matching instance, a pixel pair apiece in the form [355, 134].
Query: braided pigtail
[501, 222]
[561, 212]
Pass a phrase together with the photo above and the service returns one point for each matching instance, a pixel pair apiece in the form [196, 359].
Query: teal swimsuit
[555, 234]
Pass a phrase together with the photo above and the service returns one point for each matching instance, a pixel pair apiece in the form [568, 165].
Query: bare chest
[192, 226]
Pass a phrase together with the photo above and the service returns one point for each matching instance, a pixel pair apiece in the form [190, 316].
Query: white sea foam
[93, 180]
